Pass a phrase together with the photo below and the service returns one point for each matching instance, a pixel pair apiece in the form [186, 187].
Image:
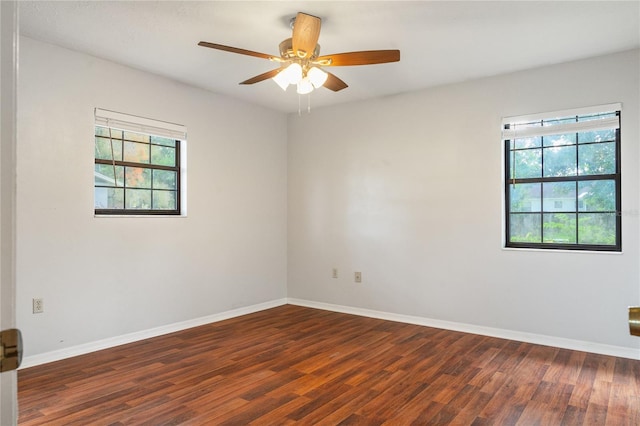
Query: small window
[562, 180]
[137, 165]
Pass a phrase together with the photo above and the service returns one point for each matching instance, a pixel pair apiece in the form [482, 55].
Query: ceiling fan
[300, 60]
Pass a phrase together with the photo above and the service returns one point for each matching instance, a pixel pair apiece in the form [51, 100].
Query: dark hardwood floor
[298, 365]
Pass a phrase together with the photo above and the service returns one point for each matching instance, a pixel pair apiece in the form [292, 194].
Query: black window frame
[115, 163]
[616, 176]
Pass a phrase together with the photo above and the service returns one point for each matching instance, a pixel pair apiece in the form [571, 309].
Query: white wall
[408, 190]
[105, 277]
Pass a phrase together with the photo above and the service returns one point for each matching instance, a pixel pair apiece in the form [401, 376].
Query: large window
[137, 165]
[562, 180]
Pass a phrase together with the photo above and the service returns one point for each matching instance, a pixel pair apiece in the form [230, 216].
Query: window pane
[559, 120]
[526, 164]
[560, 161]
[135, 172]
[163, 155]
[139, 137]
[525, 228]
[104, 131]
[597, 228]
[103, 175]
[596, 116]
[103, 148]
[138, 177]
[138, 199]
[535, 142]
[164, 179]
[559, 196]
[108, 198]
[524, 197]
[117, 149]
[136, 152]
[523, 126]
[559, 228]
[597, 196]
[163, 141]
[164, 200]
[559, 140]
[597, 159]
[597, 136]
[568, 183]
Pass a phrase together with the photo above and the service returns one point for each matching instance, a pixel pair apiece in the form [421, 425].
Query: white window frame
[511, 131]
[149, 126]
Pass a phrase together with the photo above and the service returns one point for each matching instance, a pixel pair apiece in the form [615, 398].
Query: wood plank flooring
[296, 365]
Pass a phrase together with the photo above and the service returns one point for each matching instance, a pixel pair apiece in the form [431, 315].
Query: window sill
[540, 250]
[139, 216]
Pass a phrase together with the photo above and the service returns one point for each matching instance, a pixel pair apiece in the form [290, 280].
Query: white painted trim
[135, 123]
[9, 63]
[538, 339]
[595, 109]
[543, 250]
[58, 355]
[559, 129]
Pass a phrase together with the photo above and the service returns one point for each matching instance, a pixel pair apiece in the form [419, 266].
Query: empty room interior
[447, 232]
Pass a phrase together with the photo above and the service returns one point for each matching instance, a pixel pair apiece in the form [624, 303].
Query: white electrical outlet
[358, 277]
[38, 306]
[334, 274]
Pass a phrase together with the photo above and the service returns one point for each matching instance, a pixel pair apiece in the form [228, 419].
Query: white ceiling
[440, 42]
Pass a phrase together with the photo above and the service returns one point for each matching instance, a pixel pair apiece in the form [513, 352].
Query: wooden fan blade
[235, 50]
[365, 57]
[334, 83]
[306, 31]
[264, 76]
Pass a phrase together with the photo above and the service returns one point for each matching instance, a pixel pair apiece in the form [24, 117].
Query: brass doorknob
[634, 320]
[10, 349]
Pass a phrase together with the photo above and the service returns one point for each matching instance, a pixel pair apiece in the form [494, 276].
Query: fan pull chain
[300, 104]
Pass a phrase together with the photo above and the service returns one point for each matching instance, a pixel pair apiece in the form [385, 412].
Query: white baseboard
[57, 355]
[539, 339]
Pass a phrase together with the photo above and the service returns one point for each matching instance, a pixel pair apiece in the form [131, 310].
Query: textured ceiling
[440, 42]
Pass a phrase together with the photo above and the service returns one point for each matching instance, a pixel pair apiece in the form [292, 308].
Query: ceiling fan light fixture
[294, 73]
[305, 86]
[282, 79]
[317, 76]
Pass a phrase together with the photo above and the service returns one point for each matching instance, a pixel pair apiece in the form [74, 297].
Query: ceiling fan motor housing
[286, 50]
